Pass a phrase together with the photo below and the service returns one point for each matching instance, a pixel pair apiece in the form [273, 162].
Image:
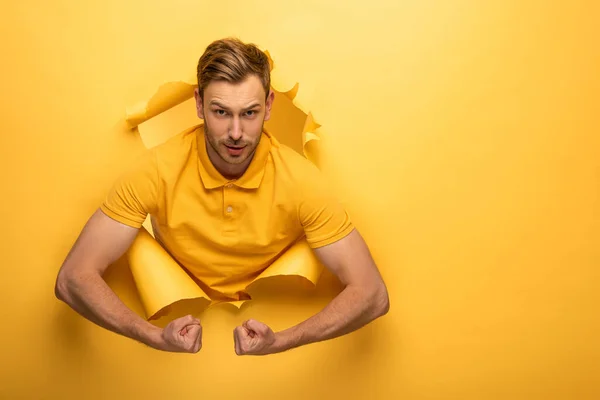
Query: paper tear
[171, 94]
[163, 284]
[167, 96]
[291, 94]
[159, 279]
[165, 289]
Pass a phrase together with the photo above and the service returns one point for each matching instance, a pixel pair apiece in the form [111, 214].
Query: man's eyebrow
[252, 106]
[218, 104]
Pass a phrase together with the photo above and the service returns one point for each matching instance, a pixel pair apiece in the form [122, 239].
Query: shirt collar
[251, 179]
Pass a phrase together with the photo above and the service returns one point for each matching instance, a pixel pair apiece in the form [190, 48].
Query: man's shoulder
[165, 160]
[295, 170]
[179, 143]
[175, 152]
[296, 163]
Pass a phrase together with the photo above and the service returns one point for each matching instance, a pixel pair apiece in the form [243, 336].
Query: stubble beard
[217, 146]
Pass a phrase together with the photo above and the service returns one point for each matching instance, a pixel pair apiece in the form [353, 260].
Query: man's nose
[235, 131]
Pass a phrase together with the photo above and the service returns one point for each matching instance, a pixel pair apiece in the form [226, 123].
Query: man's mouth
[235, 151]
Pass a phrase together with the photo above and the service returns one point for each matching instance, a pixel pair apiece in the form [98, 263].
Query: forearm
[350, 310]
[90, 296]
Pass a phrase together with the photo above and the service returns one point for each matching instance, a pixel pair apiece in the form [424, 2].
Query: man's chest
[230, 218]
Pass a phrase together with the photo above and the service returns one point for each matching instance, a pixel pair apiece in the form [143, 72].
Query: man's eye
[220, 112]
[250, 113]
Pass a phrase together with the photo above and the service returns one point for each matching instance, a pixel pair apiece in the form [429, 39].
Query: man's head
[234, 99]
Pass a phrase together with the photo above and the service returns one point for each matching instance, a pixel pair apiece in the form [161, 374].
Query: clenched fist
[253, 338]
[182, 335]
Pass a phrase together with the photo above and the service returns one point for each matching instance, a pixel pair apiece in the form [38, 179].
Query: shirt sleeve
[134, 195]
[322, 216]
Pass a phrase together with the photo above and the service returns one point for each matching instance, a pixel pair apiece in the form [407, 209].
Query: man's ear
[199, 108]
[269, 104]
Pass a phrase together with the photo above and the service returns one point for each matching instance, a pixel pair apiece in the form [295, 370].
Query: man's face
[234, 114]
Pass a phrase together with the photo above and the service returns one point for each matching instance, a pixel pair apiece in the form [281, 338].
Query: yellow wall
[464, 138]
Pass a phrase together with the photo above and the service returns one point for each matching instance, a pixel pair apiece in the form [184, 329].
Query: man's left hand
[253, 338]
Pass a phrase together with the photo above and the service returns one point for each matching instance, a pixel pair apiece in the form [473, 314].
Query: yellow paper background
[463, 136]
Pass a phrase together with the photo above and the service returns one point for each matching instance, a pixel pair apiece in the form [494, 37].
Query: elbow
[61, 286]
[70, 281]
[380, 301]
[384, 303]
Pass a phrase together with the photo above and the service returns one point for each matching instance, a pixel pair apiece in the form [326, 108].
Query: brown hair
[232, 60]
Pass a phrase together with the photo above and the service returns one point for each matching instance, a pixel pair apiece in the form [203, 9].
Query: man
[226, 199]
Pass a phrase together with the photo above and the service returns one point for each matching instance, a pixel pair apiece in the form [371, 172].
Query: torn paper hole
[165, 289]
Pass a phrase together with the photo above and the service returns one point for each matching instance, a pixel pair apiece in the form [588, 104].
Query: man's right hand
[182, 335]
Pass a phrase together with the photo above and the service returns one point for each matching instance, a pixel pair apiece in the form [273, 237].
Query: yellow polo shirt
[226, 232]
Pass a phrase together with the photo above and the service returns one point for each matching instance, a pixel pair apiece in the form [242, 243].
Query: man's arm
[363, 299]
[80, 285]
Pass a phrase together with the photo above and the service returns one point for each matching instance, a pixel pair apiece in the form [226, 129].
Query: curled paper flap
[291, 94]
[163, 284]
[166, 97]
[299, 260]
[234, 303]
[159, 279]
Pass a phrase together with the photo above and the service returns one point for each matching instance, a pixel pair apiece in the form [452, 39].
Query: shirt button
[229, 185]
[229, 209]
